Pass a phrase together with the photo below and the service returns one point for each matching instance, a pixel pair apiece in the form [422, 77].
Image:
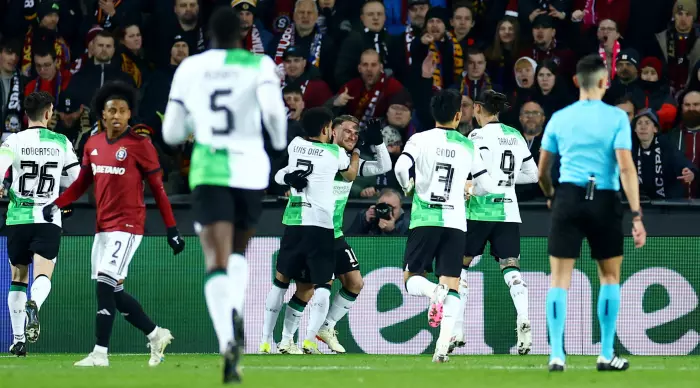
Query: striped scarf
[253, 41]
[13, 113]
[472, 88]
[368, 103]
[59, 45]
[129, 67]
[457, 57]
[287, 40]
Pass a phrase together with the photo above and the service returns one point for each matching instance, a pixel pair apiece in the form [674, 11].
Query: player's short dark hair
[45, 50]
[445, 105]
[493, 101]
[36, 103]
[225, 28]
[292, 89]
[587, 69]
[114, 90]
[315, 119]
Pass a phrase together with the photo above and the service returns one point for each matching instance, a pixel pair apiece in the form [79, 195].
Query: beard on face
[532, 130]
[691, 118]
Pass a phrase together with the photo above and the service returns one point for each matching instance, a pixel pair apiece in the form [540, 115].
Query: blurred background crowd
[375, 59]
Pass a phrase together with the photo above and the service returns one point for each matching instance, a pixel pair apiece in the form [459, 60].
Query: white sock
[292, 318]
[450, 311]
[100, 349]
[273, 305]
[319, 309]
[518, 291]
[342, 303]
[463, 295]
[237, 272]
[16, 300]
[40, 290]
[419, 286]
[216, 293]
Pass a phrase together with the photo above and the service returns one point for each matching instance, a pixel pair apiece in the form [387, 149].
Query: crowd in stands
[376, 59]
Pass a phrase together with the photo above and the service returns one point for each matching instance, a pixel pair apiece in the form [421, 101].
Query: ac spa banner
[659, 313]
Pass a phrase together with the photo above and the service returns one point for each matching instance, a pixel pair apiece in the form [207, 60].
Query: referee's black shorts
[598, 220]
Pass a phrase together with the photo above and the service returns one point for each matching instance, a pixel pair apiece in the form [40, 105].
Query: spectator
[394, 144]
[524, 70]
[475, 80]
[466, 122]
[609, 46]
[89, 51]
[304, 33]
[295, 108]
[626, 104]
[546, 46]
[256, 39]
[332, 20]
[446, 51]
[501, 54]
[113, 14]
[10, 88]
[308, 78]
[685, 136]
[417, 10]
[657, 94]
[532, 119]
[626, 74]
[663, 171]
[373, 36]
[679, 45]
[367, 96]
[294, 100]
[46, 34]
[530, 10]
[588, 13]
[398, 116]
[551, 93]
[131, 53]
[385, 218]
[462, 23]
[50, 79]
[187, 24]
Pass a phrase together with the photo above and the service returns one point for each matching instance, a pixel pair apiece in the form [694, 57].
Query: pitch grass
[197, 370]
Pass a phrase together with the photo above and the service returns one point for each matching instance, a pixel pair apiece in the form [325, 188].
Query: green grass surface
[183, 370]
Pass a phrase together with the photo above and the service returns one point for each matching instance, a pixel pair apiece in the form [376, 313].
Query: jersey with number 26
[443, 160]
[218, 89]
[38, 158]
[315, 204]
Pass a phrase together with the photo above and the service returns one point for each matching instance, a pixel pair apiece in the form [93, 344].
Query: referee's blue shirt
[585, 135]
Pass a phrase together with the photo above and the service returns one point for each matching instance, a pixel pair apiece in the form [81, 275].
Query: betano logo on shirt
[107, 170]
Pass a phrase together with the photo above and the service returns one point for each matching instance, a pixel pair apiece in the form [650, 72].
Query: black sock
[133, 312]
[106, 308]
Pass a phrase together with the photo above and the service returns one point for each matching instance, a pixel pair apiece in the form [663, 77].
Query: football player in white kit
[38, 157]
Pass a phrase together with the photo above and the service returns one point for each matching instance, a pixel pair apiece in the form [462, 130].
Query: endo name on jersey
[218, 89]
[504, 152]
[443, 160]
[38, 158]
[315, 204]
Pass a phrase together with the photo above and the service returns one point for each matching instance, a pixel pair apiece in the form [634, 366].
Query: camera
[383, 211]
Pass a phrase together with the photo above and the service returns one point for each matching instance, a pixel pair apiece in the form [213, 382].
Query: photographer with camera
[385, 218]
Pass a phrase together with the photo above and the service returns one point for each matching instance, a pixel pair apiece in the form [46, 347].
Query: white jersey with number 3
[443, 160]
[226, 95]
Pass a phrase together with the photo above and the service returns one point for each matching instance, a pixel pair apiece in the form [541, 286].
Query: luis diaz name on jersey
[308, 151]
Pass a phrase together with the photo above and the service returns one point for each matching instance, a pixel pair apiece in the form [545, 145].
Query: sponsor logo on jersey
[93, 153]
[121, 154]
[96, 169]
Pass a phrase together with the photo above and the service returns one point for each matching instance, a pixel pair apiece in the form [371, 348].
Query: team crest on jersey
[121, 154]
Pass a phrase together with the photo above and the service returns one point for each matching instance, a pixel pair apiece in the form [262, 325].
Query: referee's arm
[549, 147]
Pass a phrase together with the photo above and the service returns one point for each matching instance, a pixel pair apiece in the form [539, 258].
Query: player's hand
[373, 133]
[468, 189]
[343, 98]
[687, 175]
[370, 215]
[48, 211]
[409, 190]
[296, 180]
[639, 234]
[175, 240]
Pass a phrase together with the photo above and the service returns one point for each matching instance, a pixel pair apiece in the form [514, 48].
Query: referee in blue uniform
[594, 142]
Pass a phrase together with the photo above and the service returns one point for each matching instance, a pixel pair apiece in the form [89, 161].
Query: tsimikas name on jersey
[112, 170]
[39, 151]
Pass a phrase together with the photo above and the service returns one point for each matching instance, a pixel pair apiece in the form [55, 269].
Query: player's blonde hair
[343, 118]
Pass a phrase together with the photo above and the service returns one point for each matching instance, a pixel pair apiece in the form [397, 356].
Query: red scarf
[253, 41]
[604, 55]
[59, 45]
[287, 40]
[368, 103]
[58, 80]
[691, 140]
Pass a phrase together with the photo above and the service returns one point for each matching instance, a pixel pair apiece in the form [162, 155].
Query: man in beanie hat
[627, 73]
[315, 91]
[255, 38]
[657, 95]
[546, 46]
[443, 46]
[417, 10]
[663, 170]
[679, 45]
[45, 34]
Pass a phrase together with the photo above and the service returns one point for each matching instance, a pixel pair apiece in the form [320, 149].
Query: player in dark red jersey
[117, 160]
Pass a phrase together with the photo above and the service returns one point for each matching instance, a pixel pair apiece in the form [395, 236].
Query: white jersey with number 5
[226, 94]
[443, 159]
[315, 204]
[509, 161]
[38, 158]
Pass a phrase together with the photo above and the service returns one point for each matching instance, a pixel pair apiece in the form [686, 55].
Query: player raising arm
[436, 164]
[495, 218]
[117, 160]
[225, 92]
[37, 157]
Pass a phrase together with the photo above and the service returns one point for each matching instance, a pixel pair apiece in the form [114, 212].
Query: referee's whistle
[590, 188]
